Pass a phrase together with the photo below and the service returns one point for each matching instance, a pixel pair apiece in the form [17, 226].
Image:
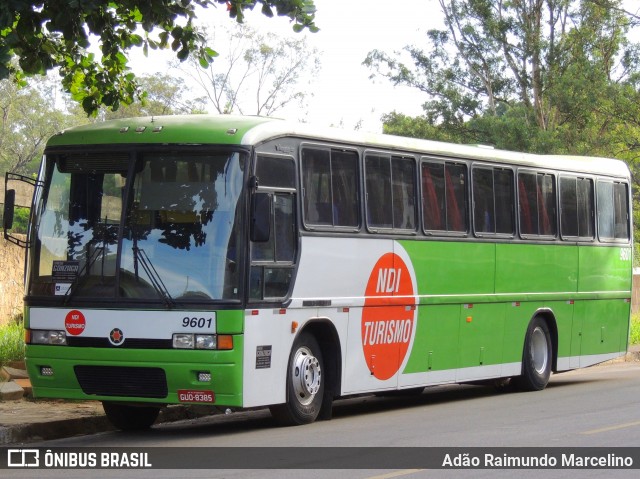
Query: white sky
[343, 94]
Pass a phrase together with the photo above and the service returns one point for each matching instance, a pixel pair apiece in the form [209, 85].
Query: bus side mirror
[260, 217]
[9, 205]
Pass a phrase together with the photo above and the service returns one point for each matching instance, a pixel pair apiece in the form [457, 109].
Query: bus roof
[254, 130]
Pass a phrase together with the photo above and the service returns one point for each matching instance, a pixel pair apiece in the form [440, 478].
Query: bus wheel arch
[317, 348]
[539, 355]
[329, 340]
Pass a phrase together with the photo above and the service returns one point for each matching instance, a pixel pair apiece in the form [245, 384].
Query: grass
[634, 335]
[11, 342]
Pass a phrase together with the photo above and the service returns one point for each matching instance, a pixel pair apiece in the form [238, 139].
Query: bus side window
[537, 199]
[273, 261]
[403, 173]
[433, 202]
[576, 203]
[455, 185]
[378, 184]
[330, 187]
[605, 210]
[621, 207]
[344, 182]
[316, 183]
[444, 196]
[493, 200]
[483, 200]
[277, 172]
[391, 192]
[613, 204]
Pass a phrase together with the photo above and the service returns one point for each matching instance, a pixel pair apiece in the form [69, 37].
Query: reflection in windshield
[179, 238]
[182, 217]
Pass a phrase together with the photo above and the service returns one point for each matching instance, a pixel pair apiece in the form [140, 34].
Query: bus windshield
[150, 226]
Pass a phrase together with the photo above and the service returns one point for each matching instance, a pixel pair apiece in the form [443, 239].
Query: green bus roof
[253, 130]
[176, 129]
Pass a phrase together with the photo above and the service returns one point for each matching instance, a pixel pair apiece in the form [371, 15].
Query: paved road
[599, 406]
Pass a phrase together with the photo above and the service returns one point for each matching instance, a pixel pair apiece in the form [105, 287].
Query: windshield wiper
[156, 281]
[97, 252]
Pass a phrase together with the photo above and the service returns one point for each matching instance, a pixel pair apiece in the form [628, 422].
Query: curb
[53, 430]
[45, 431]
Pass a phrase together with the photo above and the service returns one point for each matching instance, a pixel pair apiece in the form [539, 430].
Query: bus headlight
[56, 338]
[183, 341]
[205, 341]
[194, 341]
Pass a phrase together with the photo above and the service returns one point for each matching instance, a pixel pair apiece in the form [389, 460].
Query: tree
[43, 35]
[28, 118]
[535, 75]
[257, 73]
[163, 95]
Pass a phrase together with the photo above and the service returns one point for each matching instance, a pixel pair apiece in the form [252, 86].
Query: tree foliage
[28, 117]
[257, 73]
[163, 95]
[547, 76]
[43, 35]
[529, 75]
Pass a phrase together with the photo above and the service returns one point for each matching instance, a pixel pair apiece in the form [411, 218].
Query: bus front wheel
[130, 418]
[305, 384]
[536, 357]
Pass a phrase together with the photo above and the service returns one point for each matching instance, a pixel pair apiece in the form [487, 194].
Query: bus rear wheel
[130, 418]
[536, 357]
[305, 384]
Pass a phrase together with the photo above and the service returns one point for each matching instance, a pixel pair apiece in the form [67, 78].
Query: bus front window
[77, 226]
[180, 237]
[165, 233]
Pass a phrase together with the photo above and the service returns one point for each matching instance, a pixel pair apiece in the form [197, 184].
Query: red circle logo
[74, 322]
[388, 316]
[116, 336]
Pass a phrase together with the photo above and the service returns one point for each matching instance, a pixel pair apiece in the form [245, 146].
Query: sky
[343, 93]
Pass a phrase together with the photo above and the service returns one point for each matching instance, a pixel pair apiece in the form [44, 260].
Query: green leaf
[183, 54]
[266, 10]
[211, 52]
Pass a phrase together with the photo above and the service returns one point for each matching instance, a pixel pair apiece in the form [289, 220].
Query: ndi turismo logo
[388, 316]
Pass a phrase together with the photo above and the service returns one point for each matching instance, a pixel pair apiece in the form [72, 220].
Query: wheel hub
[539, 349]
[307, 376]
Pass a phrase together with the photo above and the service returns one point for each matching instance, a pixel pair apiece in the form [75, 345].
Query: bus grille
[122, 381]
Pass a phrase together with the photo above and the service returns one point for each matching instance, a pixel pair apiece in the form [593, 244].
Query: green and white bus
[242, 262]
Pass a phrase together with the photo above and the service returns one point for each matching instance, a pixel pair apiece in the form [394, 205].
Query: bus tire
[305, 384]
[130, 418]
[536, 357]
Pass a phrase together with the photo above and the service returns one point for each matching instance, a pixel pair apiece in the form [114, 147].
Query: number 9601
[196, 322]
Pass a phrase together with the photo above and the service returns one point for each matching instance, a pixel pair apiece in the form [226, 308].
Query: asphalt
[32, 420]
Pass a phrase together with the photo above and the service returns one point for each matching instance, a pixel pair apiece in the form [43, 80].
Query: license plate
[185, 395]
